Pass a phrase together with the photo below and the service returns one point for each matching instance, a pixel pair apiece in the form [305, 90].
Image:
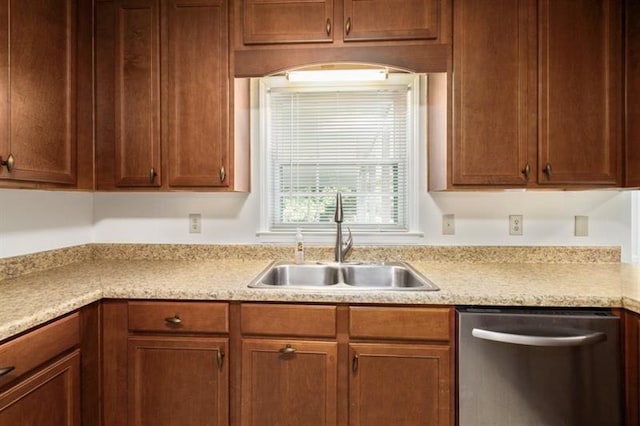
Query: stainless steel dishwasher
[525, 367]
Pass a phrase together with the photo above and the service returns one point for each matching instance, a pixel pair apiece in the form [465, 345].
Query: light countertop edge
[34, 299]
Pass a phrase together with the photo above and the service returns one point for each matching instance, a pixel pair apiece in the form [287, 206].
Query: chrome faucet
[342, 249]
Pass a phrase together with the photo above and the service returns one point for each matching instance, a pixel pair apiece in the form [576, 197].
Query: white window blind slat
[356, 141]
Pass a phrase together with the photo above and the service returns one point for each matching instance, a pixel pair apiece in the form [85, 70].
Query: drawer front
[39, 346]
[400, 323]
[187, 317]
[288, 320]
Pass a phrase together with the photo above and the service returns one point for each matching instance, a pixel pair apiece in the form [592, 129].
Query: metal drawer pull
[174, 320]
[328, 27]
[152, 174]
[526, 171]
[220, 358]
[9, 162]
[287, 350]
[347, 26]
[6, 370]
[223, 174]
[547, 170]
[590, 338]
[354, 363]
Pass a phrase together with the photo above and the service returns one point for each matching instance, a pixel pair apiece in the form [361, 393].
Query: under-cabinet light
[338, 75]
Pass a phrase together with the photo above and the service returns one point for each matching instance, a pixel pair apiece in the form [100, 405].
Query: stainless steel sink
[304, 275]
[397, 276]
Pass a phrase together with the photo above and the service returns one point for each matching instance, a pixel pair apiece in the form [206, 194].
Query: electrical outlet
[515, 224]
[195, 223]
[581, 226]
[448, 224]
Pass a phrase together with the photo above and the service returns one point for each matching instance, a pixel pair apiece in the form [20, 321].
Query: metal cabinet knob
[6, 370]
[223, 174]
[174, 320]
[152, 174]
[8, 163]
[347, 26]
[220, 358]
[328, 26]
[526, 171]
[287, 350]
[354, 363]
[547, 170]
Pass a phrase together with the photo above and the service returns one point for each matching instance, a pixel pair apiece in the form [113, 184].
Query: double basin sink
[398, 276]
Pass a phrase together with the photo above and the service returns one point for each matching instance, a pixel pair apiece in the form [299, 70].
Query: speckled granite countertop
[37, 297]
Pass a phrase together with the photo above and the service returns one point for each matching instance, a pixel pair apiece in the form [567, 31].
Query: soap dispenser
[299, 250]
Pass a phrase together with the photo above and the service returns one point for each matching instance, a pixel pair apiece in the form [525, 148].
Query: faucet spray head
[338, 217]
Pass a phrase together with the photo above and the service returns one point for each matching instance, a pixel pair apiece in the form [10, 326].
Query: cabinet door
[632, 76]
[178, 381]
[579, 66]
[38, 90]
[632, 368]
[197, 82]
[137, 93]
[49, 397]
[394, 384]
[494, 131]
[288, 383]
[391, 19]
[287, 21]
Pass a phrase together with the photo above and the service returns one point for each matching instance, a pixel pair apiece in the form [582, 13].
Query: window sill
[329, 238]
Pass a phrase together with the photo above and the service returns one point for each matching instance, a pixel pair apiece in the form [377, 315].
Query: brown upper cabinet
[134, 69]
[274, 36]
[296, 21]
[632, 104]
[164, 97]
[536, 96]
[46, 81]
[289, 21]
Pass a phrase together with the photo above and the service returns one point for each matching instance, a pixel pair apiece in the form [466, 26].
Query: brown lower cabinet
[49, 397]
[289, 382]
[177, 380]
[339, 365]
[284, 364]
[632, 368]
[40, 384]
[399, 384]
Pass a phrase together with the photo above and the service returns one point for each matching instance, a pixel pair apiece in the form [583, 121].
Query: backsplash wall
[481, 218]
[32, 221]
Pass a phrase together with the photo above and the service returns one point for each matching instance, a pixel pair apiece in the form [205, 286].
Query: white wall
[33, 221]
[481, 218]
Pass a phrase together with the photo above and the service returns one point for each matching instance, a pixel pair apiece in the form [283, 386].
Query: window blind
[354, 140]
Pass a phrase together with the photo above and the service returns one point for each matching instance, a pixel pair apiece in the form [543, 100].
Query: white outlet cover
[581, 226]
[448, 224]
[515, 224]
[195, 223]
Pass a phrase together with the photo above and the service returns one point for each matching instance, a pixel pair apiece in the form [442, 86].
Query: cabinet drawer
[199, 317]
[400, 323]
[39, 346]
[288, 320]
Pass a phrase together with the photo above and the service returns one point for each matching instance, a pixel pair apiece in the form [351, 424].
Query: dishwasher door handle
[523, 339]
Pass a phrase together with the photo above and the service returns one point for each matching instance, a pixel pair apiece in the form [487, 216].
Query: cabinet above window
[273, 36]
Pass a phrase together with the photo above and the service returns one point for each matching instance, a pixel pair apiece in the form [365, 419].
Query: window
[359, 139]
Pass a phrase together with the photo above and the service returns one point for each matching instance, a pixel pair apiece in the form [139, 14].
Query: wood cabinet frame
[420, 50]
[545, 100]
[166, 104]
[46, 107]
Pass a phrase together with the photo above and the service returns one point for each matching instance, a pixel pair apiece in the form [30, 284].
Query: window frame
[416, 173]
